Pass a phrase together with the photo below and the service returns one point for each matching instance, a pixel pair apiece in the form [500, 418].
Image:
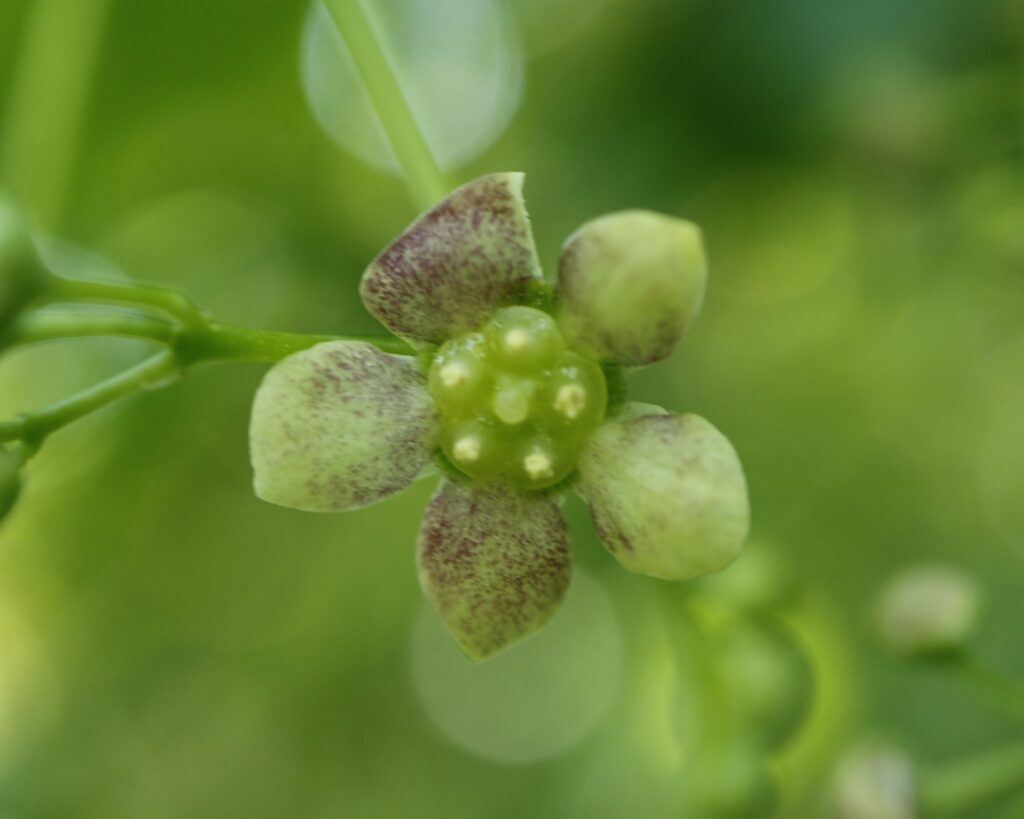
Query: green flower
[508, 395]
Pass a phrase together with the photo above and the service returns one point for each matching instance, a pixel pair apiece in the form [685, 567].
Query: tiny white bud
[454, 374]
[927, 609]
[517, 340]
[538, 465]
[570, 400]
[467, 449]
[875, 782]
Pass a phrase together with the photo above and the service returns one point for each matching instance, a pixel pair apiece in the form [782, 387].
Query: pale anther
[538, 466]
[570, 400]
[454, 375]
[467, 449]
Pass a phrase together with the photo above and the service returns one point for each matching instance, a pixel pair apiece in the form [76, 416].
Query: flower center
[515, 403]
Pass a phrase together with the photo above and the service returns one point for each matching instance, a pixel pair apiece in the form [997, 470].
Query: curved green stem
[422, 175]
[1007, 690]
[33, 428]
[690, 628]
[953, 788]
[190, 339]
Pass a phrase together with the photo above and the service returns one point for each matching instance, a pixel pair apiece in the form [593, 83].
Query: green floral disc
[516, 404]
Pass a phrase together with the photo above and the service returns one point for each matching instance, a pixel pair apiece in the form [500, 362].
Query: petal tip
[667, 495]
[630, 284]
[469, 254]
[493, 563]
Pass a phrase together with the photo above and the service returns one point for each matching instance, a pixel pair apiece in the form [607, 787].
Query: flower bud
[927, 611]
[10, 480]
[23, 276]
[629, 285]
[875, 782]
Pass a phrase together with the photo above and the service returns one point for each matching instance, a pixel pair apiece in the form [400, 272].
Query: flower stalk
[187, 334]
[423, 176]
[953, 788]
[1004, 690]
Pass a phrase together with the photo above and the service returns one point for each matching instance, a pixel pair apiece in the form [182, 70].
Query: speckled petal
[494, 563]
[469, 254]
[666, 492]
[629, 286]
[339, 426]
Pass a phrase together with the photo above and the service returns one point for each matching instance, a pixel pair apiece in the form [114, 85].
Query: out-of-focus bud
[11, 462]
[875, 782]
[760, 580]
[23, 277]
[629, 285]
[768, 679]
[927, 611]
[731, 782]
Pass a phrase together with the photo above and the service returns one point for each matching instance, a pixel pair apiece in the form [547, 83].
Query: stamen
[570, 400]
[454, 374]
[538, 465]
[467, 450]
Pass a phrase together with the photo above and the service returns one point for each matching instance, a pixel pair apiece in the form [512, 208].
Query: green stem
[49, 91]
[953, 788]
[198, 341]
[226, 342]
[38, 327]
[690, 629]
[422, 175]
[1008, 691]
[170, 301]
[33, 428]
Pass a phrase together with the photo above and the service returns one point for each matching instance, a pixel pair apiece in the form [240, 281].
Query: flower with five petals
[514, 396]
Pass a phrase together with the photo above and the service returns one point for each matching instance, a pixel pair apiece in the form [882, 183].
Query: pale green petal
[629, 285]
[339, 426]
[494, 563]
[666, 492]
[447, 273]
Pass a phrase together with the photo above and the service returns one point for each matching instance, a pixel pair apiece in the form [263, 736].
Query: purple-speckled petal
[459, 261]
[339, 426]
[666, 492]
[494, 563]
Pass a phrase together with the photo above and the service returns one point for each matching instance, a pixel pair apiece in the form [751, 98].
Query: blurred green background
[172, 647]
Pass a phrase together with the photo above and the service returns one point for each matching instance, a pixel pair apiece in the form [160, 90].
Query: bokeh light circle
[535, 700]
[458, 61]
